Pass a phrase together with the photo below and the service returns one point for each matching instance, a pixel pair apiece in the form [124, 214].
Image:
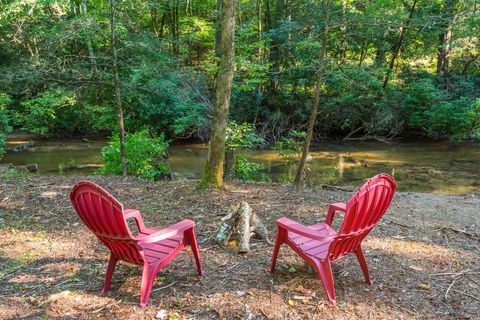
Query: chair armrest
[168, 232]
[135, 214]
[342, 207]
[300, 229]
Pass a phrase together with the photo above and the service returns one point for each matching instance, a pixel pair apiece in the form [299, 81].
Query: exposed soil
[424, 257]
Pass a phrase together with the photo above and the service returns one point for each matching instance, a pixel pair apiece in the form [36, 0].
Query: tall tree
[325, 4]
[88, 40]
[213, 173]
[399, 44]
[443, 53]
[116, 82]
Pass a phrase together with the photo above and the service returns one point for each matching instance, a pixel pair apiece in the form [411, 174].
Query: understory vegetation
[147, 156]
[392, 68]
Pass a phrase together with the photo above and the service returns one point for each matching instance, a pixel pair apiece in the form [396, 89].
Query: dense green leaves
[146, 155]
[5, 128]
[55, 61]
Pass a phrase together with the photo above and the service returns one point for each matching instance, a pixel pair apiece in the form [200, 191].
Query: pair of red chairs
[318, 244]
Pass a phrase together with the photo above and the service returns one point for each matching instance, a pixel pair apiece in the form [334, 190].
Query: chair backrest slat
[363, 212]
[103, 215]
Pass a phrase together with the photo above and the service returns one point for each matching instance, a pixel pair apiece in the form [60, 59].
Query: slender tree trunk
[259, 27]
[344, 43]
[443, 51]
[274, 54]
[363, 52]
[154, 17]
[116, 81]
[88, 40]
[318, 88]
[162, 24]
[218, 29]
[261, 54]
[381, 49]
[213, 173]
[174, 27]
[399, 44]
[72, 8]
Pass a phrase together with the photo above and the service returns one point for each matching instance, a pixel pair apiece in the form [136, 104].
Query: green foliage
[71, 164]
[43, 112]
[249, 171]
[168, 68]
[5, 128]
[473, 122]
[166, 99]
[242, 137]
[13, 174]
[146, 155]
[440, 114]
[289, 148]
[58, 111]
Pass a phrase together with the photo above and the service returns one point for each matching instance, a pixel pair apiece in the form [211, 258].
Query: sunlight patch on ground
[412, 250]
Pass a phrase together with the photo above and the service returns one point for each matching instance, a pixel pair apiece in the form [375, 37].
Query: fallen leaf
[425, 287]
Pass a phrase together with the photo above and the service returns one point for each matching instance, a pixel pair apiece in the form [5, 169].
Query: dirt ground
[424, 257]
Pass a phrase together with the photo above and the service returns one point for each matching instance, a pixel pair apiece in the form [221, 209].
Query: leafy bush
[242, 137]
[5, 128]
[289, 148]
[249, 171]
[146, 155]
[473, 122]
[439, 114]
[165, 98]
[47, 111]
[58, 111]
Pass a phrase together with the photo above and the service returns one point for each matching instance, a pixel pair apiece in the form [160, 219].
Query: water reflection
[426, 167]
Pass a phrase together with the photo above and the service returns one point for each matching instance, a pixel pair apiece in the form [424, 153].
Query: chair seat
[158, 251]
[314, 248]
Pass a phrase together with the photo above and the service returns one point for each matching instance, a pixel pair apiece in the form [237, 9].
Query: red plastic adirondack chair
[319, 244]
[151, 248]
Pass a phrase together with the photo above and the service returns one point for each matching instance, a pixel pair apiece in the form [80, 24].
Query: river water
[419, 167]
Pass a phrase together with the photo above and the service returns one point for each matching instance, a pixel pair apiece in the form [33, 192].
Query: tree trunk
[116, 81]
[154, 17]
[213, 173]
[91, 54]
[318, 88]
[343, 28]
[399, 44]
[218, 29]
[443, 51]
[174, 27]
[380, 58]
[162, 24]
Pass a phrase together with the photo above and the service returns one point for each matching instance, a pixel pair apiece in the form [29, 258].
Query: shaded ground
[424, 257]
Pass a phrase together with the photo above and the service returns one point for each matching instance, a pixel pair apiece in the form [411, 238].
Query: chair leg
[363, 264]
[148, 277]
[324, 270]
[276, 248]
[112, 262]
[192, 240]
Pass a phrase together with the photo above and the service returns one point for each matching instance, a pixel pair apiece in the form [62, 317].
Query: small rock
[240, 293]
[162, 314]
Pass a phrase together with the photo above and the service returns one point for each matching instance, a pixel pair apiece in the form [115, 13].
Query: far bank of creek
[434, 167]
